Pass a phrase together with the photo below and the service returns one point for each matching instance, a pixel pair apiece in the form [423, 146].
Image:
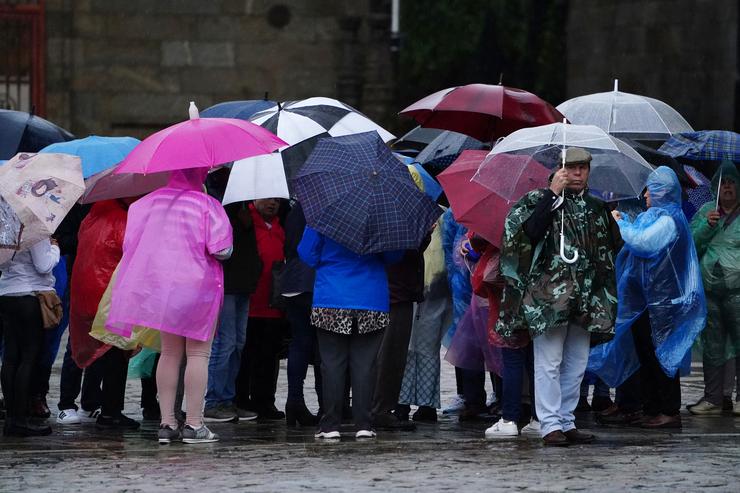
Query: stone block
[142, 108]
[156, 6]
[149, 27]
[209, 81]
[125, 78]
[204, 54]
[210, 28]
[117, 51]
[89, 25]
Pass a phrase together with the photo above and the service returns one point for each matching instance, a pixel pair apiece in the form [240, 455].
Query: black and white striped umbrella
[296, 121]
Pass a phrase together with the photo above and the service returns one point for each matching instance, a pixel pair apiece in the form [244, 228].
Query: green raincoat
[719, 256]
[544, 292]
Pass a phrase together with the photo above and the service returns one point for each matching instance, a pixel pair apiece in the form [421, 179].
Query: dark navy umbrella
[444, 149]
[242, 110]
[354, 190]
[24, 132]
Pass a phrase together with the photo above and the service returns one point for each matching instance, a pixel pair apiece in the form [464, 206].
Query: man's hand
[464, 248]
[559, 181]
[713, 217]
[616, 215]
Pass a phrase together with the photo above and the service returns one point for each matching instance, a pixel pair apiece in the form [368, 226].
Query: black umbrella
[26, 132]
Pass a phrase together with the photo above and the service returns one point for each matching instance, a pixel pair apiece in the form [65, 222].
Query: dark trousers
[516, 362]
[474, 387]
[71, 381]
[23, 338]
[358, 354]
[113, 365]
[303, 349]
[392, 357]
[149, 389]
[662, 394]
[628, 396]
[257, 380]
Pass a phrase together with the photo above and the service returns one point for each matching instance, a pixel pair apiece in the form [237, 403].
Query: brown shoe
[555, 439]
[662, 421]
[575, 436]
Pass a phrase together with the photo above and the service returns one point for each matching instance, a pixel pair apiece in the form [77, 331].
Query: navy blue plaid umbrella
[706, 145]
[356, 192]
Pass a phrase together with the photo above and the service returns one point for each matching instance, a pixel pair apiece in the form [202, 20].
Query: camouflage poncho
[542, 291]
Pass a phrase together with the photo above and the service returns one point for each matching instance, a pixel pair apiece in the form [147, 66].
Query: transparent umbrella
[618, 172]
[625, 115]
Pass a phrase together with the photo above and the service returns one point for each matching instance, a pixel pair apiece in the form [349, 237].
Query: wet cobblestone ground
[444, 457]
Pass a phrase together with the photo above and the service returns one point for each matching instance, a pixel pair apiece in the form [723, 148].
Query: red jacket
[100, 248]
[270, 243]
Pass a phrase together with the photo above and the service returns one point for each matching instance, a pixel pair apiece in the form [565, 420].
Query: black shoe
[270, 413]
[119, 422]
[151, 414]
[425, 414]
[402, 412]
[600, 404]
[387, 421]
[475, 413]
[39, 409]
[297, 412]
[583, 405]
[24, 427]
[727, 404]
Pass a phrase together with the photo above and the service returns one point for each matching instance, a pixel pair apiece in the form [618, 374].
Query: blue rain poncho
[458, 275]
[657, 270]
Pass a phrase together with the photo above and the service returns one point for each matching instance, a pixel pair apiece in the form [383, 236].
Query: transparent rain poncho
[719, 251]
[657, 271]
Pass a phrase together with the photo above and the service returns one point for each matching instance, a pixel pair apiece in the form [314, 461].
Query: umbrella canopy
[429, 185]
[24, 132]
[199, 143]
[699, 194]
[37, 192]
[485, 112]
[625, 115]
[415, 140]
[707, 145]
[617, 171]
[259, 177]
[243, 110]
[473, 205]
[357, 193]
[657, 158]
[296, 121]
[445, 148]
[97, 153]
[108, 185]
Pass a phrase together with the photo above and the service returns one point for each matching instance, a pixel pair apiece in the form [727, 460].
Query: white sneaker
[89, 417]
[705, 408]
[328, 435]
[362, 434]
[503, 429]
[532, 429]
[68, 417]
[456, 405]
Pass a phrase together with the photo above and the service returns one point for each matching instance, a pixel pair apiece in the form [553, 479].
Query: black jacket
[406, 278]
[242, 270]
[297, 276]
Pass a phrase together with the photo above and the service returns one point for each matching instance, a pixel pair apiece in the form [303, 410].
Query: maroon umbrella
[473, 205]
[483, 111]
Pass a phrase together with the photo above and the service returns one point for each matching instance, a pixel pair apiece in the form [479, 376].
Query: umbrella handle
[562, 251]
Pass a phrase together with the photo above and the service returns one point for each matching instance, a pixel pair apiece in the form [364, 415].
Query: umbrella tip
[616, 85]
[501, 78]
[266, 96]
[193, 110]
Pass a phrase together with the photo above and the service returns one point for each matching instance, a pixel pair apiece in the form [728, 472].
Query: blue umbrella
[242, 110]
[353, 191]
[97, 153]
[706, 145]
[431, 187]
[25, 132]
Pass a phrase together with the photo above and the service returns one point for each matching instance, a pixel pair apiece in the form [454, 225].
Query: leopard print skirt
[340, 320]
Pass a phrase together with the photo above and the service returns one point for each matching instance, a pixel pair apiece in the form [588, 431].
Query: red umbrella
[473, 205]
[482, 111]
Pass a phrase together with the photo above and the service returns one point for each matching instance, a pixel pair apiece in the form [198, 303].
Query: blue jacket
[345, 279]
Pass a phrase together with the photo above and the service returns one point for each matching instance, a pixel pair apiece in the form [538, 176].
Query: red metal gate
[22, 55]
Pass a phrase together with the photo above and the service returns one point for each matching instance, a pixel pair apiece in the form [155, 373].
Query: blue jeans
[226, 351]
[515, 361]
[560, 357]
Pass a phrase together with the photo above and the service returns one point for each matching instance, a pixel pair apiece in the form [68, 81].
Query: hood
[664, 187]
[188, 179]
[728, 170]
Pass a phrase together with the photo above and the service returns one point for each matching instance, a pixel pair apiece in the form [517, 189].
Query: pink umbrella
[199, 143]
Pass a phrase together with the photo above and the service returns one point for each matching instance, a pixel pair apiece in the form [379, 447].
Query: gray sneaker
[198, 435]
[219, 414]
[166, 434]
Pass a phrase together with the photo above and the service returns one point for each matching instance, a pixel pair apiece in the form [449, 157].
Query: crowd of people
[250, 283]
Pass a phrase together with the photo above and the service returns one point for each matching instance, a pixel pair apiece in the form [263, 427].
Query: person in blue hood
[662, 308]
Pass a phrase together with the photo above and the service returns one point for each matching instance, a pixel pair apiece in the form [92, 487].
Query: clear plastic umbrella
[618, 172]
[625, 115]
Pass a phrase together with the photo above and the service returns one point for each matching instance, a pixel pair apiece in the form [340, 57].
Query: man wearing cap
[561, 304]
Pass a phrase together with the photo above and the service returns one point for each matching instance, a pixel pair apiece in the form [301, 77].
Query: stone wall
[684, 52]
[130, 67]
